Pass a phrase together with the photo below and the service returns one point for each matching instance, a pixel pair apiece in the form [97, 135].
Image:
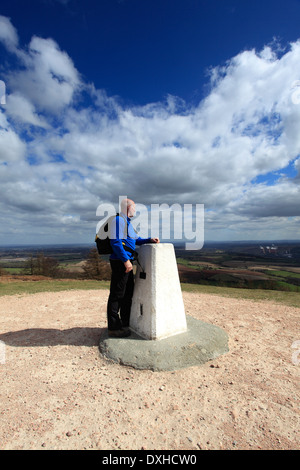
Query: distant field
[14, 270]
[284, 274]
[238, 274]
[229, 270]
[19, 287]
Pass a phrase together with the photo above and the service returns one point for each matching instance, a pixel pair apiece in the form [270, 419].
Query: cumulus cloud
[22, 110]
[12, 148]
[60, 160]
[49, 79]
[8, 34]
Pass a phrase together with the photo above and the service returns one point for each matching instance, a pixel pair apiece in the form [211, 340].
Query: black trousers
[120, 297]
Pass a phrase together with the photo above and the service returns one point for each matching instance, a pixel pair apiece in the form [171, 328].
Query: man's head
[128, 207]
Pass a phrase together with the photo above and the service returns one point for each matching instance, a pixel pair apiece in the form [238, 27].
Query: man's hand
[155, 240]
[128, 266]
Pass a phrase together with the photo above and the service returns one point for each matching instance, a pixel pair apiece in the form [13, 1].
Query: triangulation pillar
[157, 310]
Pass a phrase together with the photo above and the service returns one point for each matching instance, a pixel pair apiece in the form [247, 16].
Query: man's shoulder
[122, 219]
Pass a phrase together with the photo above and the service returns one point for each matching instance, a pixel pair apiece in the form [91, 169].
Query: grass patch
[33, 287]
[52, 285]
[291, 299]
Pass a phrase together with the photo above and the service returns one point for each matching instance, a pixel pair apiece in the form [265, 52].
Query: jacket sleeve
[142, 241]
[117, 228]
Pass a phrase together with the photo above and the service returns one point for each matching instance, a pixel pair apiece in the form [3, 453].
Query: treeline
[94, 267]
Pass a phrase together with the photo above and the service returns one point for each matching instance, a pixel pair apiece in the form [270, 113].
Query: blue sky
[169, 101]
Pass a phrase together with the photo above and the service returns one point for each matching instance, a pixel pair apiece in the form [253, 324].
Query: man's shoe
[119, 333]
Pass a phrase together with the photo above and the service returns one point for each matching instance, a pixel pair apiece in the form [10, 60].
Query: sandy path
[57, 392]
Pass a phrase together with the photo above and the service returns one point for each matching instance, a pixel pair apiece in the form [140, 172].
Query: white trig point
[157, 310]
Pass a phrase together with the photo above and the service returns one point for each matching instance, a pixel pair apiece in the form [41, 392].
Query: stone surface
[200, 343]
[157, 310]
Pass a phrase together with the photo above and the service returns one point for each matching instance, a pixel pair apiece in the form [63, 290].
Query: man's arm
[142, 241]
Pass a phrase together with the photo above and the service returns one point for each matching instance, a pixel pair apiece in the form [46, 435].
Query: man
[123, 239]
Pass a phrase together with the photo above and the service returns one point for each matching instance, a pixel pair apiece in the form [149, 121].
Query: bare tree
[42, 265]
[95, 267]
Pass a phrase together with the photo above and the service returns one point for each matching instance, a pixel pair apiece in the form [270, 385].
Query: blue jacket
[119, 234]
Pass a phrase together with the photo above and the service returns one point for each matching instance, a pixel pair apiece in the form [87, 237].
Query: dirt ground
[58, 392]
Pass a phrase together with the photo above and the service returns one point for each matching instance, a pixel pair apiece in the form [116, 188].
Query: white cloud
[168, 152]
[261, 200]
[12, 148]
[49, 79]
[8, 33]
[22, 110]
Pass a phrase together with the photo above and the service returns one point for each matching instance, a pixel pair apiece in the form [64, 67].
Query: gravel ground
[58, 392]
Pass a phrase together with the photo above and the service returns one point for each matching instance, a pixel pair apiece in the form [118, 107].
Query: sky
[165, 101]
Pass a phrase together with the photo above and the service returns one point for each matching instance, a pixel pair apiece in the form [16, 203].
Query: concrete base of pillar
[201, 343]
